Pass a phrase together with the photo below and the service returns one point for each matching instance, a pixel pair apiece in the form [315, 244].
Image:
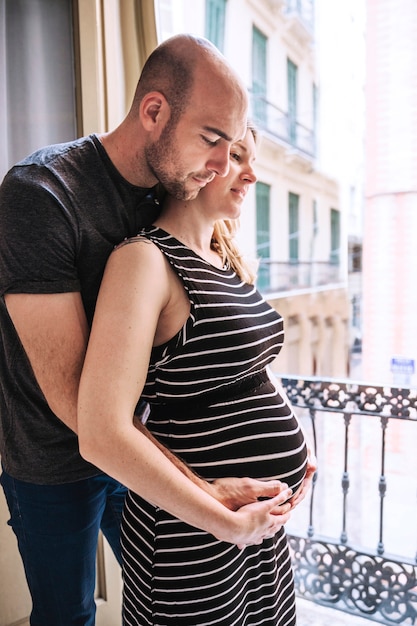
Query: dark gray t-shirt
[62, 210]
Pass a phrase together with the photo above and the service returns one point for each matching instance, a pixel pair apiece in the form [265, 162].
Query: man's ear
[154, 111]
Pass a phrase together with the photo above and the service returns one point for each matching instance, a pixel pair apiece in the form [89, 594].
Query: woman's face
[225, 194]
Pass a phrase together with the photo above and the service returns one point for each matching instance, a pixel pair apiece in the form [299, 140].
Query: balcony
[275, 276]
[283, 127]
[354, 542]
[302, 10]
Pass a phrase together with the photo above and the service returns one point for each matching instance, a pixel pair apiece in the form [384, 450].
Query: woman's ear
[154, 111]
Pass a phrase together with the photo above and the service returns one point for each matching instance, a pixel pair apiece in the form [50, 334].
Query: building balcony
[354, 541]
[276, 276]
[283, 128]
[302, 10]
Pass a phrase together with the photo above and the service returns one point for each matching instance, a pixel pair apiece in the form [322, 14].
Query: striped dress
[214, 405]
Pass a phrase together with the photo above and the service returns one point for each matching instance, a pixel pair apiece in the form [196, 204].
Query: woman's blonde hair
[223, 242]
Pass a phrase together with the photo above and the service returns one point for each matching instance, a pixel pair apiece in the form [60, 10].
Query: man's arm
[54, 333]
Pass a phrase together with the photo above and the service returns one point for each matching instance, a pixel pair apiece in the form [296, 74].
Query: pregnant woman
[180, 324]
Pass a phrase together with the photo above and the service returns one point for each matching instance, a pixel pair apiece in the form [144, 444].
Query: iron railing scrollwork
[360, 397]
[368, 585]
[333, 572]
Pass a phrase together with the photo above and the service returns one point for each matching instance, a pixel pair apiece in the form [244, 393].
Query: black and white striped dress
[214, 405]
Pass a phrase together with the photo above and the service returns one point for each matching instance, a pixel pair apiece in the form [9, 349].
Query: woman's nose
[249, 175]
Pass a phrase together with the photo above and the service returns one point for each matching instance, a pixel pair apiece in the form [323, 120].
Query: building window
[334, 237]
[315, 219]
[293, 220]
[315, 119]
[263, 248]
[356, 311]
[292, 101]
[355, 258]
[259, 78]
[215, 22]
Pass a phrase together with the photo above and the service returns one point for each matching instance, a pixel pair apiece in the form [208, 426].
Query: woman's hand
[259, 520]
[301, 493]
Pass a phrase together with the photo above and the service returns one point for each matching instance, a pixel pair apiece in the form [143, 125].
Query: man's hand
[237, 492]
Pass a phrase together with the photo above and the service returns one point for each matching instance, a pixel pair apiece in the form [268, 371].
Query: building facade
[292, 221]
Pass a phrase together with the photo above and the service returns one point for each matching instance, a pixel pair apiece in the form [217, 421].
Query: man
[61, 212]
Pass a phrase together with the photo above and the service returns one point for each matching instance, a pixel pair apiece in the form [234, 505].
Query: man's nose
[219, 161]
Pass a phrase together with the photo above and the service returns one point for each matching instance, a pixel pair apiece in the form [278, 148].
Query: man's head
[193, 107]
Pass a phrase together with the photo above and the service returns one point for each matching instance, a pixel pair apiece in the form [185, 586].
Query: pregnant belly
[257, 436]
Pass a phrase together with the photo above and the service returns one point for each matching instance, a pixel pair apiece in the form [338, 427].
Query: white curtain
[130, 37]
[37, 93]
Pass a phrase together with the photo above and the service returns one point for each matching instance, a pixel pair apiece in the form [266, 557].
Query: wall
[390, 251]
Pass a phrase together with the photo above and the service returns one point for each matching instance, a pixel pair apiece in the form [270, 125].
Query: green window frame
[293, 227]
[215, 22]
[292, 78]
[263, 235]
[334, 236]
[259, 75]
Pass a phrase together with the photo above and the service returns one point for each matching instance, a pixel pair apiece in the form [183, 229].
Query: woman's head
[225, 194]
[232, 193]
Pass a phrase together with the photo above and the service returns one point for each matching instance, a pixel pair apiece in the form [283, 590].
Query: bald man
[62, 210]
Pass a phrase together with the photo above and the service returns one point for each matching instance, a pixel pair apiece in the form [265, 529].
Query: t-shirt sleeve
[38, 234]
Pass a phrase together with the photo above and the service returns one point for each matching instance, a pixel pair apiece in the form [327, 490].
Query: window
[292, 101]
[315, 219]
[293, 219]
[315, 118]
[36, 77]
[334, 236]
[263, 249]
[215, 22]
[259, 45]
[355, 258]
[356, 311]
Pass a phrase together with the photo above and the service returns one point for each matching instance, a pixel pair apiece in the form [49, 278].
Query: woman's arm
[136, 292]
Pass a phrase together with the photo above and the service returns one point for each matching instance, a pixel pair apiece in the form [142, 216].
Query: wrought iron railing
[287, 276]
[354, 542]
[282, 125]
[304, 9]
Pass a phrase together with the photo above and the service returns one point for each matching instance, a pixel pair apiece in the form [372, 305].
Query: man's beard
[163, 159]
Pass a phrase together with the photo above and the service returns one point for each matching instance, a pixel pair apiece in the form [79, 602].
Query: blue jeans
[57, 529]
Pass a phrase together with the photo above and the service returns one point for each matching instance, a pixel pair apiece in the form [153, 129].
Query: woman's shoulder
[136, 239]
[136, 253]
